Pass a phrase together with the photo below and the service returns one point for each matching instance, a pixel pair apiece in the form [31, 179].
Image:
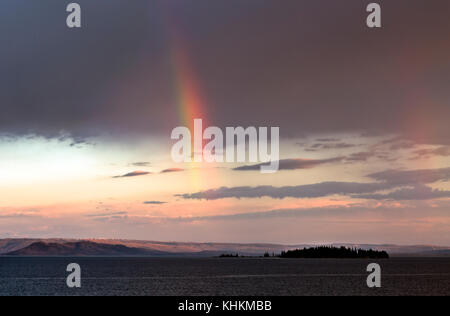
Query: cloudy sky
[86, 117]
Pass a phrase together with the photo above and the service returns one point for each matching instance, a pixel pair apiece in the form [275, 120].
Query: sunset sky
[364, 117]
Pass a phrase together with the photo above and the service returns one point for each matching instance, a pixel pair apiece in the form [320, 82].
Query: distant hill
[13, 244]
[435, 253]
[81, 248]
[157, 248]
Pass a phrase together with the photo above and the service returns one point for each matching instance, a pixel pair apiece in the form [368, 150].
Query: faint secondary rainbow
[418, 122]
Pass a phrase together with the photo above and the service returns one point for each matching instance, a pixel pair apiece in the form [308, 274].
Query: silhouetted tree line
[334, 252]
[227, 255]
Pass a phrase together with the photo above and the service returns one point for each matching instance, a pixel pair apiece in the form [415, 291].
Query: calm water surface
[227, 277]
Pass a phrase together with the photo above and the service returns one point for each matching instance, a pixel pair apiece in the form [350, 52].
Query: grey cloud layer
[144, 173]
[107, 214]
[313, 212]
[292, 164]
[410, 185]
[418, 192]
[443, 151]
[408, 177]
[384, 150]
[348, 212]
[133, 174]
[327, 145]
[154, 202]
[140, 164]
[300, 191]
[170, 170]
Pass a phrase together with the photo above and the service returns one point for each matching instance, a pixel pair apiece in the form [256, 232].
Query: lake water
[224, 277]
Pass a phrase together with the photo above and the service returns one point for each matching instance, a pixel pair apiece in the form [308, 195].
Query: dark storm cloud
[306, 66]
[293, 164]
[55, 80]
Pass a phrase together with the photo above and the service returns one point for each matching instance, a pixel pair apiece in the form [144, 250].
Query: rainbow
[190, 101]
